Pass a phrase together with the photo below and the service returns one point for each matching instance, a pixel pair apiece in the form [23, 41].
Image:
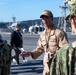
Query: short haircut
[18, 25]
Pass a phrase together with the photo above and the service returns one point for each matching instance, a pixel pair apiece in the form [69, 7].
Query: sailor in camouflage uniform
[64, 61]
[5, 58]
[51, 39]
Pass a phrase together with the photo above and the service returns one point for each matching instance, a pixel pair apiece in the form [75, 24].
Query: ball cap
[70, 16]
[47, 13]
[18, 25]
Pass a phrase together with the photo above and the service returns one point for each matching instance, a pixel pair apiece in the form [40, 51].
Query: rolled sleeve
[63, 40]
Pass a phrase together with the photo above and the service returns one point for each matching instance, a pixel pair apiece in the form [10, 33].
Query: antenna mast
[62, 21]
[14, 19]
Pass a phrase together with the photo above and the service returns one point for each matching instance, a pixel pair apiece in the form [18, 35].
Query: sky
[27, 9]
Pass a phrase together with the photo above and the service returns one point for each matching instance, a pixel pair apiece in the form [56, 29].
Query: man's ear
[74, 23]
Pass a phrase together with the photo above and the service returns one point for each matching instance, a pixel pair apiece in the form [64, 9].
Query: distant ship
[36, 29]
[12, 26]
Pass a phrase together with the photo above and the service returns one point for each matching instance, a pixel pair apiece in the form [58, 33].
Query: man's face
[18, 28]
[73, 24]
[47, 21]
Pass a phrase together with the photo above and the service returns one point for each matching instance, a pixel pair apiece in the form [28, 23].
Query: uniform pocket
[52, 43]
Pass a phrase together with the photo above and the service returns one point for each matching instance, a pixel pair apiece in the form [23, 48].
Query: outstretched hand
[25, 54]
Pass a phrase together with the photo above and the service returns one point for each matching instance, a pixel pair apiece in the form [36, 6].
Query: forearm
[36, 53]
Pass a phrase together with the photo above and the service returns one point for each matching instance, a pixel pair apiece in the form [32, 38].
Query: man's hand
[25, 54]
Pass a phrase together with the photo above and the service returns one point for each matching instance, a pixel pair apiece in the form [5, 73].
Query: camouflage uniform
[64, 61]
[54, 40]
[72, 6]
[5, 58]
[72, 9]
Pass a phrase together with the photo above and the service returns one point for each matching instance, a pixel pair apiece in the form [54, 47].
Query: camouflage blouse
[64, 61]
[72, 6]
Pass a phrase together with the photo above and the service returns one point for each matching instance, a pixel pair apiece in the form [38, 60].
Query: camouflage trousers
[5, 70]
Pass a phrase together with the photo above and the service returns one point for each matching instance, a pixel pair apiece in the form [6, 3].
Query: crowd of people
[51, 42]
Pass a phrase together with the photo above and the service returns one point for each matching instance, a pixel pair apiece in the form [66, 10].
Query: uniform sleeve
[62, 39]
[0, 37]
[38, 51]
[12, 39]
